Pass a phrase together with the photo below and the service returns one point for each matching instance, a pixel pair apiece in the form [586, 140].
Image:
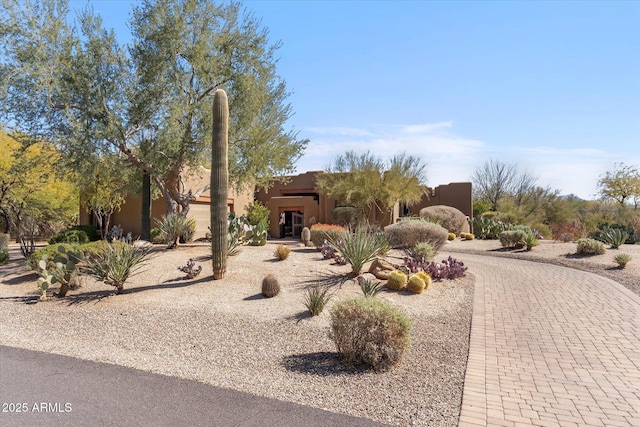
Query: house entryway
[291, 222]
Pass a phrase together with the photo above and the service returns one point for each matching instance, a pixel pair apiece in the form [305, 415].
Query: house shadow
[328, 280]
[25, 299]
[322, 364]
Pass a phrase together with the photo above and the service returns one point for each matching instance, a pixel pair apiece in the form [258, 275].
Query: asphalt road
[41, 389]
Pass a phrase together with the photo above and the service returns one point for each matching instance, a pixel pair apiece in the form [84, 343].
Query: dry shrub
[568, 231]
[322, 232]
[370, 332]
[282, 252]
[406, 233]
[447, 216]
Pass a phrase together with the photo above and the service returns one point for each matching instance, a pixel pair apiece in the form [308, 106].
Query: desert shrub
[370, 288]
[282, 252]
[321, 232]
[257, 213]
[270, 286]
[487, 228]
[422, 250]
[449, 268]
[622, 260]
[173, 226]
[407, 232]
[568, 231]
[347, 216]
[589, 247]
[416, 284]
[4, 248]
[397, 280]
[90, 230]
[189, 232]
[316, 299]
[370, 331]
[70, 236]
[447, 216]
[117, 263]
[94, 249]
[512, 238]
[358, 246]
[156, 236]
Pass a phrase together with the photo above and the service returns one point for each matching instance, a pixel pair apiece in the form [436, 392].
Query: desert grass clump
[422, 250]
[118, 262]
[370, 331]
[359, 246]
[397, 280]
[316, 299]
[622, 260]
[282, 252]
[407, 232]
[270, 286]
[589, 247]
[370, 288]
[174, 226]
[416, 284]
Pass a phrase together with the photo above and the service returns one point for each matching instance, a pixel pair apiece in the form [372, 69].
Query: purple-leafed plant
[448, 269]
[330, 252]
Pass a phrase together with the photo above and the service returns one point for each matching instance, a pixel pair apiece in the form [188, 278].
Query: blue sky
[552, 86]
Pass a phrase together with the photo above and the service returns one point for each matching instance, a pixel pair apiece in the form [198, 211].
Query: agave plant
[359, 246]
[173, 226]
[371, 288]
[614, 237]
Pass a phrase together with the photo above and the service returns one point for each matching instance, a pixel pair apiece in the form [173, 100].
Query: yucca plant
[358, 246]
[371, 288]
[117, 263]
[530, 240]
[173, 226]
[316, 299]
[622, 260]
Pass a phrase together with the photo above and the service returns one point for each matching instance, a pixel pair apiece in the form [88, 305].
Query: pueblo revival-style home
[294, 204]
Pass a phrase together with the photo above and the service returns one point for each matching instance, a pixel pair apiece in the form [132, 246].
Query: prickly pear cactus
[219, 183]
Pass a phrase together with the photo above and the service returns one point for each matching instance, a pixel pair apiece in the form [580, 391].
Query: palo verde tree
[622, 184]
[367, 182]
[150, 100]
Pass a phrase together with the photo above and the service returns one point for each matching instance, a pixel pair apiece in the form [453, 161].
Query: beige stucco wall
[455, 194]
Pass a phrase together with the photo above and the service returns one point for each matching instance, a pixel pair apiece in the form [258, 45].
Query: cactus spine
[219, 183]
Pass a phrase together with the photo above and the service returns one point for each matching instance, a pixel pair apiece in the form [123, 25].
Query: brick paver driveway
[550, 346]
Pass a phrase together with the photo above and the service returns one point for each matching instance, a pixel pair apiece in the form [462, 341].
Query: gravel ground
[226, 334]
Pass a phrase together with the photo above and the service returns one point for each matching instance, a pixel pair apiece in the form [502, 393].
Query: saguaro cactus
[219, 183]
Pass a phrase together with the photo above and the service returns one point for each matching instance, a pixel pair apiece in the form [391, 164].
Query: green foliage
[366, 182]
[480, 207]
[257, 213]
[422, 250]
[62, 269]
[257, 235]
[613, 236]
[173, 226]
[77, 237]
[620, 185]
[322, 232]
[512, 239]
[347, 216]
[316, 299]
[90, 230]
[49, 252]
[484, 227]
[370, 331]
[530, 240]
[117, 263]
[156, 236]
[448, 217]
[359, 246]
[282, 252]
[270, 286]
[408, 232]
[397, 280]
[4, 248]
[589, 247]
[369, 287]
[622, 260]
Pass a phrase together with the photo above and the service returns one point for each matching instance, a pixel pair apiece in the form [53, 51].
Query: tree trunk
[145, 227]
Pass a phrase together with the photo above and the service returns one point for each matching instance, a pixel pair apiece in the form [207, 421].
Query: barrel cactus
[219, 183]
[425, 278]
[270, 286]
[397, 280]
[416, 284]
[305, 236]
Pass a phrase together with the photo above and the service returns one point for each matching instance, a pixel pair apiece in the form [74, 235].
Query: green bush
[257, 213]
[90, 230]
[358, 246]
[94, 249]
[447, 216]
[49, 251]
[590, 247]
[347, 216]
[485, 227]
[422, 250]
[408, 232]
[4, 248]
[512, 239]
[156, 236]
[173, 226]
[321, 232]
[370, 332]
[70, 236]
